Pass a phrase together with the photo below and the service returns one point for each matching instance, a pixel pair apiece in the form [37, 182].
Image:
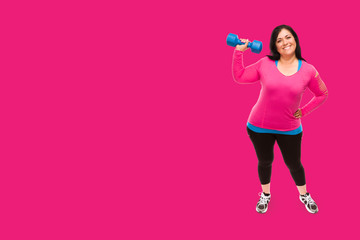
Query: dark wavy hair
[275, 54]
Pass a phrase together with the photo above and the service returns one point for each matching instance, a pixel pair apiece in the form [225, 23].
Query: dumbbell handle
[233, 40]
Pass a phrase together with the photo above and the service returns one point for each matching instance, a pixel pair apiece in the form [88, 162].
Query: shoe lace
[263, 199]
[309, 200]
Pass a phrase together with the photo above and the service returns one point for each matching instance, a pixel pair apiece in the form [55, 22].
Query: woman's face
[285, 43]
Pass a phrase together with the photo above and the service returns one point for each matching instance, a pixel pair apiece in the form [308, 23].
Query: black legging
[290, 146]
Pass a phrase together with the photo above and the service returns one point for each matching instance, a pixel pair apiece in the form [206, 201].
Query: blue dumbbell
[233, 40]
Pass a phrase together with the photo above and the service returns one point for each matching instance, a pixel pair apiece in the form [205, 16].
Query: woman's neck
[287, 60]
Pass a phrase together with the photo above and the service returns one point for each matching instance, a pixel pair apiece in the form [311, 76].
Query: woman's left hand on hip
[298, 113]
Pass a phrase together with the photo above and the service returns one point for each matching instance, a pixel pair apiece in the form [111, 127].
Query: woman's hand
[244, 47]
[298, 113]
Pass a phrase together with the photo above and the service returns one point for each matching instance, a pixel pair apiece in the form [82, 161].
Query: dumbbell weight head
[233, 40]
[256, 46]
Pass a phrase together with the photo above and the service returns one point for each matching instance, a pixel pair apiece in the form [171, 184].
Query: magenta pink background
[124, 122]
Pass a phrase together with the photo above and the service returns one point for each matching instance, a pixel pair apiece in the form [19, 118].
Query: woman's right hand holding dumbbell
[243, 47]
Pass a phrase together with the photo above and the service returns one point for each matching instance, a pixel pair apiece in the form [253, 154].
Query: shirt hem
[280, 130]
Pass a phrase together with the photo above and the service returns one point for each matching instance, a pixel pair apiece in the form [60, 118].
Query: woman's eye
[280, 40]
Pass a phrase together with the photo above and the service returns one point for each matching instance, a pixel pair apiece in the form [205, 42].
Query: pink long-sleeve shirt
[280, 95]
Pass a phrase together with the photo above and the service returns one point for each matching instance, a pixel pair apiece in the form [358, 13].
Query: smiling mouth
[287, 47]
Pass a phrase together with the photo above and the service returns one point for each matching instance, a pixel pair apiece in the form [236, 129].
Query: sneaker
[262, 205]
[309, 203]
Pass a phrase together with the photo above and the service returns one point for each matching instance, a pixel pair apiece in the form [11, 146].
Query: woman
[284, 77]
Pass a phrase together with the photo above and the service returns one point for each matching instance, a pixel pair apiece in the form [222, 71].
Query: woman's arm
[243, 74]
[318, 88]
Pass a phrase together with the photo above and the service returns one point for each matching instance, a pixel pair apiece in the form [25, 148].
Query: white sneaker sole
[260, 211]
